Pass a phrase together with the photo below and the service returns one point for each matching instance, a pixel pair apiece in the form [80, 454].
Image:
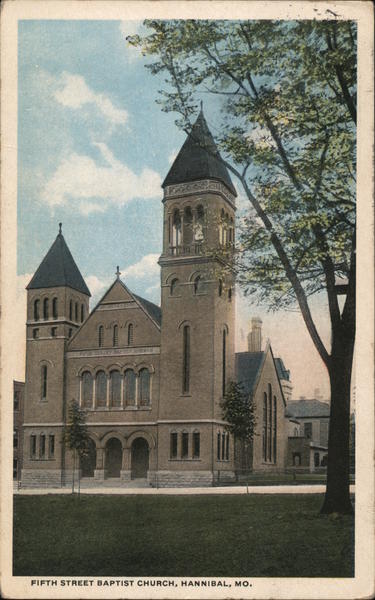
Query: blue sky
[94, 148]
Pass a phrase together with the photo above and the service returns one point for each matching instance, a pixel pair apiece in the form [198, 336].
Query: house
[257, 371]
[151, 379]
[308, 444]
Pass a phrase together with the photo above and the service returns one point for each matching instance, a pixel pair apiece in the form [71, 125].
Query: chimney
[254, 338]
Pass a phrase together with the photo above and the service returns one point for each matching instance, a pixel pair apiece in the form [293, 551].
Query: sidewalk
[131, 491]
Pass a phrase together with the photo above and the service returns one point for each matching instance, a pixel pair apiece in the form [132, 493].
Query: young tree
[286, 129]
[238, 411]
[76, 436]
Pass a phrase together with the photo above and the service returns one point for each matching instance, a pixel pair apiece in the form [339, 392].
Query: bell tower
[197, 300]
[57, 304]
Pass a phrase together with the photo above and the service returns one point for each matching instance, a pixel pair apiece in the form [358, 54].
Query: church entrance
[139, 456]
[113, 458]
[88, 462]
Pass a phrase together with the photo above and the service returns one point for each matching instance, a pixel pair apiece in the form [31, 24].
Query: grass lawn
[196, 536]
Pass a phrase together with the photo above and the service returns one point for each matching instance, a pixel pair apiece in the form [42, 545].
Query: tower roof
[199, 158]
[58, 269]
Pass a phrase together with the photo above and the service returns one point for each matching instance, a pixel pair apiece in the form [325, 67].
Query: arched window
[173, 444]
[144, 387]
[54, 308]
[220, 287]
[218, 453]
[184, 444]
[222, 446]
[36, 310]
[274, 431]
[101, 389]
[174, 286]
[76, 311]
[295, 432]
[224, 360]
[230, 294]
[264, 426]
[115, 388]
[87, 389]
[227, 447]
[115, 335]
[101, 336]
[269, 417]
[44, 382]
[176, 228]
[82, 313]
[130, 336]
[197, 284]
[129, 387]
[71, 310]
[196, 444]
[45, 309]
[186, 359]
[199, 225]
[188, 226]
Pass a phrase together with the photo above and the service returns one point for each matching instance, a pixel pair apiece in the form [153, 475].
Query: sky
[93, 150]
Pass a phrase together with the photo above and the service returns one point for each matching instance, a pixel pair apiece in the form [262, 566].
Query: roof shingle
[58, 269]
[199, 158]
[247, 366]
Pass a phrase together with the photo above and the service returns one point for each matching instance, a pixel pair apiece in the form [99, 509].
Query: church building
[151, 379]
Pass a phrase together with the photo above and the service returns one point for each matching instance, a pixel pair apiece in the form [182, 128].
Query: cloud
[97, 287]
[94, 187]
[146, 267]
[73, 92]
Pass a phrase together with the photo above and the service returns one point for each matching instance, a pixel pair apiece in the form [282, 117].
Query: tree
[238, 412]
[284, 97]
[76, 436]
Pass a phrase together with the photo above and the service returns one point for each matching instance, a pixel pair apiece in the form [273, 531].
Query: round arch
[141, 434]
[112, 434]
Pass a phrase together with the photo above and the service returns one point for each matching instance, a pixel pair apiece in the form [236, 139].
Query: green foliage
[285, 109]
[75, 432]
[238, 411]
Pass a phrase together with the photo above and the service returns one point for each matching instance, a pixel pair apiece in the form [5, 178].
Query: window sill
[186, 395]
[184, 459]
[115, 408]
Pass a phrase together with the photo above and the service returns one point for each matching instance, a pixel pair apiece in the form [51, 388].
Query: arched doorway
[139, 456]
[88, 462]
[113, 457]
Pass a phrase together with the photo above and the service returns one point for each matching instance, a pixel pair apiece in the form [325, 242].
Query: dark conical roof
[58, 269]
[199, 158]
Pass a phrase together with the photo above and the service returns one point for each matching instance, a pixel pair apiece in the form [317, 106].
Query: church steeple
[58, 269]
[199, 158]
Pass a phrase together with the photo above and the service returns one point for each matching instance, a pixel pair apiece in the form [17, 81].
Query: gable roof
[152, 309]
[199, 158]
[247, 367]
[308, 408]
[58, 269]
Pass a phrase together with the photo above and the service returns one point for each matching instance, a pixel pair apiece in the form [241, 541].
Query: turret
[57, 304]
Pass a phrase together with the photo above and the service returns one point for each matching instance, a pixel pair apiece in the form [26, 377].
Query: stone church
[151, 379]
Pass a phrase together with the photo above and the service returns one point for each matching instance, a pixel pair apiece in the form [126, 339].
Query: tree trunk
[337, 497]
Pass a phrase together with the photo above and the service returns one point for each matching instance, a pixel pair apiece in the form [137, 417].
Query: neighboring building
[256, 370]
[18, 404]
[284, 376]
[308, 446]
[151, 379]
